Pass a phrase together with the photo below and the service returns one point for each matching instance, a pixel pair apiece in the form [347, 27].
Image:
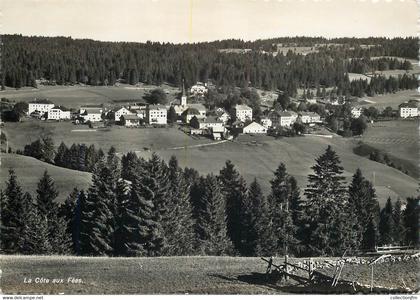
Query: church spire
[184, 95]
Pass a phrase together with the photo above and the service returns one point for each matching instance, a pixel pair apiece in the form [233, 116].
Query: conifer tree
[283, 193]
[256, 223]
[234, 190]
[48, 151]
[386, 224]
[11, 215]
[97, 217]
[211, 221]
[398, 219]
[142, 231]
[122, 198]
[36, 234]
[129, 164]
[325, 206]
[60, 156]
[411, 221]
[180, 236]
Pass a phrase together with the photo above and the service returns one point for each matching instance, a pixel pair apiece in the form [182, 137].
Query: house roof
[130, 117]
[212, 119]
[92, 111]
[191, 111]
[157, 107]
[254, 124]
[242, 107]
[62, 108]
[198, 106]
[408, 105]
[41, 101]
[309, 113]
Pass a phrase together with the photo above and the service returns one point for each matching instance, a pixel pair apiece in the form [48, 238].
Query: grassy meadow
[29, 170]
[178, 275]
[392, 100]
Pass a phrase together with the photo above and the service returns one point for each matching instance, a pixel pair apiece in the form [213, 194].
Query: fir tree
[211, 221]
[60, 156]
[12, 211]
[386, 224]
[180, 236]
[234, 190]
[256, 223]
[325, 206]
[398, 219]
[411, 221]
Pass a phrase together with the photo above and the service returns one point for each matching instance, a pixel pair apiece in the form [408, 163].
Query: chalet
[243, 112]
[121, 112]
[199, 89]
[222, 115]
[283, 118]
[130, 120]
[84, 107]
[356, 112]
[91, 115]
[58, 113]
[41, 106]
[266, 122]
[408, 110]
[156, 114]
[254, 127]
[190, 113]
[213, 123]
[200, 107]
[309, 117]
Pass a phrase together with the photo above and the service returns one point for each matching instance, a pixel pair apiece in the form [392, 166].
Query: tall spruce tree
[180, 238]
[211, 221]
[411, 221]
[325, 206]
[256, 240]
[398, 218]
[12, 211]
[386, 224]
[143, 234]
[282, 201]
[97, 219]
[234, 190]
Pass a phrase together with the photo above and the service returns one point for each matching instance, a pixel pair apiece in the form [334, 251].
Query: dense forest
[138, 207]
[63, 60]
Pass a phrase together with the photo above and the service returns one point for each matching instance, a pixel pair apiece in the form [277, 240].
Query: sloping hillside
[29, 170]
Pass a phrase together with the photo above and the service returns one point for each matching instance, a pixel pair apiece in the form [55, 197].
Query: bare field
[29, 170]
[173, 275]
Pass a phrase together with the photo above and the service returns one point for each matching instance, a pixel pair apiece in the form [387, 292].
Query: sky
[182, 21]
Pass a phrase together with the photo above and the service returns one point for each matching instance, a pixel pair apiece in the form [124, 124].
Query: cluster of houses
[218, 125]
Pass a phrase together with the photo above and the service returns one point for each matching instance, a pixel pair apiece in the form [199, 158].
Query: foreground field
[172, 275]
[29, 170]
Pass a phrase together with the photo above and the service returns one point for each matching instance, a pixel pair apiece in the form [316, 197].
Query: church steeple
[184, 96]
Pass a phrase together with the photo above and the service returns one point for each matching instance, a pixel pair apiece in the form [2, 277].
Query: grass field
[78, 95]
[397, 138]
[29, 170]
[124, 139]
[254, 156]
[393, 100]
[259, 160]
[173, 275]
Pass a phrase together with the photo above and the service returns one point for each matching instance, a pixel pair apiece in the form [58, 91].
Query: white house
[356, 112]
[283, 118]
[130, 120]
[190, 113]
[212, 123]
[310, 117]
[58, 113]
[83, 108]
[42, 106]
[199, 89]
[156, 114]
[266, 122]
[92, 115]
[200, 108]
[122, 112]
[408, 110]
[254, 127]
[243, 112]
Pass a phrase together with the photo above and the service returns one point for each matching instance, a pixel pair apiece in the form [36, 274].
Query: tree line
[61, 60]
[139, 207]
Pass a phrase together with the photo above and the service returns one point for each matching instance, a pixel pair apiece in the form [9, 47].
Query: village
[196, 119]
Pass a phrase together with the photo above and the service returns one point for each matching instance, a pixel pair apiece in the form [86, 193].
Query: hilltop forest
[63, 60]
